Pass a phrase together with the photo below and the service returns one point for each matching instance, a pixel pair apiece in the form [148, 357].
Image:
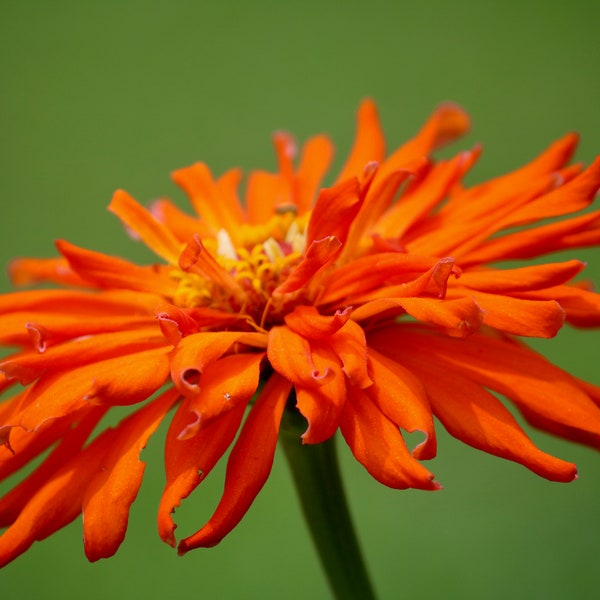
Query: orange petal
[27, 445]
[195, 352]
[504, 366]
[334, 211]
[226, 383]
[529, 318]
[28, 366]
[219, 210]
[377, 444]
[290, 355]
[264, 193]
[369, 144]
[318, 255]
[189, 461]
[315, 160]
[72, 436]
[458, 318]
[182, 225]
[110, 302]
[582, 306]
[350, 346]
[114, 486]
[27, 271]
[61, 393]
[430, 191]
[378, 200]
[447, 123]
[373, 272]
[575, 195]
[152, 232]
[195, 258]
[476, 417]
[56, 503]
[401, 397]
[522, 279]
[248, 467]
[111, 272]
[322, 405]
[310, 324]
[577, 232]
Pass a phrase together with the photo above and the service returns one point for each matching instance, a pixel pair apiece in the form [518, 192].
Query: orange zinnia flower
[369, 307]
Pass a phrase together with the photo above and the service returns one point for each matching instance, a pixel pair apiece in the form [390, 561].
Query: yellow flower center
[263, 261]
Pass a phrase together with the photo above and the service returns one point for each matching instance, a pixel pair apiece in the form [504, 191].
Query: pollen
[268, 255]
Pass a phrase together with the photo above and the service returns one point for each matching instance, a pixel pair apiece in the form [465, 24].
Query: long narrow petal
[72, 439]
[56, 503]
[529, 318]
[318, 255]
[28, 366]
[110, 272]
[141, 221]
[401, 397]
[225, 384]
[310, 324]
[218, 210]
[195, 352]
[504, 366]
[344, 202]
[476, 417]
[28, 271]
[377, 444]
[248, 467]
[369, 144]
[189, 461]
[322, 406]
[315, 160]
[446, 123]
[61, 393]
[114, 487]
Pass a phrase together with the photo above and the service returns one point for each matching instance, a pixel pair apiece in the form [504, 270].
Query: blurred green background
[97, 96]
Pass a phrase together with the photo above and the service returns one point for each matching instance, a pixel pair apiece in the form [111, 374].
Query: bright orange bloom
[372, 305]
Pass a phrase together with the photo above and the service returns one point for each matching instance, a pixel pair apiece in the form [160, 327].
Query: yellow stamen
[270, 252]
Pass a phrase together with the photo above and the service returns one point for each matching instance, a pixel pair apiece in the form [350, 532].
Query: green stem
[319, 485]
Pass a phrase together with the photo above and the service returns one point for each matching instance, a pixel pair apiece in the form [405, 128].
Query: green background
[97, 96]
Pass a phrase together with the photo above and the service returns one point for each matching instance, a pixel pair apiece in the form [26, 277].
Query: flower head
[370, 307]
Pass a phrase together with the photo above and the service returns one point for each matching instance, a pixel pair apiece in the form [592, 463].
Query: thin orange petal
[369, 144]
[226, 383]
[181, 224]
[529, 318]
[315, 160]
[151, 231]
[28, 366]
[56, 503]
[27, 271]
[114, 486]
[447, 123]
[218, 210]
[344, 202]
[377, 444]
[476, 417]
[310, 324]
[401, 397]
[73, 435]
[58, 394]
[521, 279]
[317, 256]
[189, 461]
[107, 271]
[248, 467]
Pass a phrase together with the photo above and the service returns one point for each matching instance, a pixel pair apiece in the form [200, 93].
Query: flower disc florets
[258, 267]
